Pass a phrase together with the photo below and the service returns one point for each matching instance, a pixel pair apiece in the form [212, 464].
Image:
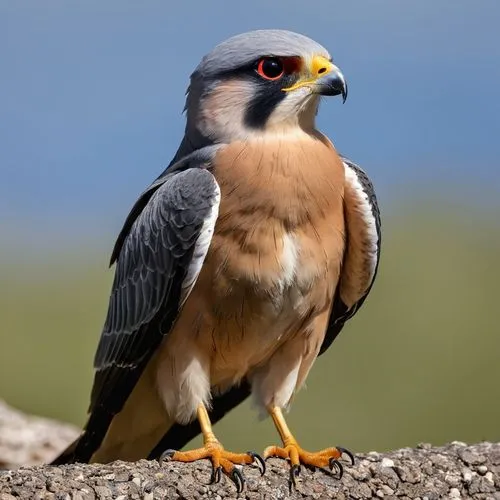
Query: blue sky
[92, 94]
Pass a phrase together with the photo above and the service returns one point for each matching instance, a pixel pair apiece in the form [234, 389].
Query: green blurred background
[419, 362]
[92, 94]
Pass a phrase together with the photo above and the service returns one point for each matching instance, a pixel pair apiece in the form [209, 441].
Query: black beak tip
[333, 85]
[344, 92]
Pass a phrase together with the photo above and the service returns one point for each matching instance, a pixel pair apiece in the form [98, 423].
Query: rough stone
[453, 471]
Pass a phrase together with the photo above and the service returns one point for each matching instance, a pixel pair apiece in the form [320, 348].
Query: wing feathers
[362, 253]
[153, 262]
[363, 220]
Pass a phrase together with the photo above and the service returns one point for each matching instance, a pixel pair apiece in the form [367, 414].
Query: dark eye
[270, 68]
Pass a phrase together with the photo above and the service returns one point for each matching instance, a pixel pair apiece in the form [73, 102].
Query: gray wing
[158, 254]
[362, 253]
[156, 268]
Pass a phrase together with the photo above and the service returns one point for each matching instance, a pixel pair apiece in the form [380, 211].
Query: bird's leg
[297, 456]
[222, 460]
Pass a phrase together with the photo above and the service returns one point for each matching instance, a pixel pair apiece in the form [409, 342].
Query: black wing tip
[89, 441]
[72, 454]
[67, 456]
[114, 256]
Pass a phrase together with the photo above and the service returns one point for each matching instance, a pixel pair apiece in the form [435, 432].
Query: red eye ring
[270, 68]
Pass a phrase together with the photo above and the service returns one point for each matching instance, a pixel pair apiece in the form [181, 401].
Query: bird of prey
[237, 266]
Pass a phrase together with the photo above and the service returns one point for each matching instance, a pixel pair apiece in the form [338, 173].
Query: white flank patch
[364, 208]
[194, 388]
[183, 385]
[201, 248]
[287, 387]
[275, 381]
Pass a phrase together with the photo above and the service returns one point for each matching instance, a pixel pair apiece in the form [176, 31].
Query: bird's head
[257, 82]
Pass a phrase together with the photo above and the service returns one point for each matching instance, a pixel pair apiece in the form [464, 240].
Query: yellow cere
[317, 67]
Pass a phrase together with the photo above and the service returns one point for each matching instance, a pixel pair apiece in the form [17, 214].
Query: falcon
[236, 267]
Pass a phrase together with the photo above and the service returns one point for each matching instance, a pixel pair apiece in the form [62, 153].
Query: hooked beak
[323, 78]
[332, 84]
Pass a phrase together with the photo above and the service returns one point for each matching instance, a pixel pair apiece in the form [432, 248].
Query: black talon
[166, 456]
[216, 475]
[238, 479]
[344, 451]
[260, 462]
[337, 465]
[310, 467]
[294, 474]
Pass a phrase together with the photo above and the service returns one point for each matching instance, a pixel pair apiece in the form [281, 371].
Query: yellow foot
[297, 456]
[222, 461]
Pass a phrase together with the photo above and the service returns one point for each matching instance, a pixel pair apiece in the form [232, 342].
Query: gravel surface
[453, 471]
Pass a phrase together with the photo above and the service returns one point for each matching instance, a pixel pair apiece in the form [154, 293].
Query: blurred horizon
[92, 95]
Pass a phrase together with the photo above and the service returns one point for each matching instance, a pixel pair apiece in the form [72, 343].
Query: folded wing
[362, 252]
[159, 255]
